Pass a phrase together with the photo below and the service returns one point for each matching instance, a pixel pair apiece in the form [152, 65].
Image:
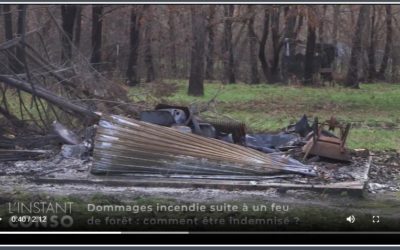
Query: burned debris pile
[173, 146]
[170, 142]
[167, 142]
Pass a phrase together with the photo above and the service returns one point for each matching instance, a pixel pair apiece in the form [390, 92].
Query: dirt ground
[18, 181]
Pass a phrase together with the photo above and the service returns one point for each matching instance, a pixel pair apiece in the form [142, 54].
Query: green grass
[373, 110]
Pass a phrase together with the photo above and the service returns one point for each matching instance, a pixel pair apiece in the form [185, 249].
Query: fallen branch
[58, 101]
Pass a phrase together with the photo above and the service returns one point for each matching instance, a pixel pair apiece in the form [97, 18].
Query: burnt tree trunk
[196, 78]
[68, 14]
[172, 37]
[8, 33]
[148, 54]
[97, 28]
[352, 73]
[388, 44]
[254, 79]
[227, 48]
[310, 52]
[210, 46]
[371, 48]
[261, 51]
[132, 72]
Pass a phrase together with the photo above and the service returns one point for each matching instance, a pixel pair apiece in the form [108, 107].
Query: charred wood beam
[58, 101]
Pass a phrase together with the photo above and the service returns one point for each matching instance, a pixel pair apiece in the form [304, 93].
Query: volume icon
[351, 219]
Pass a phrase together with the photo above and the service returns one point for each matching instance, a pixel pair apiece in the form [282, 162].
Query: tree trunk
[68, 14]
[336, 13]
[8, 33]
[78, 26]
[148, 54]
[352, 73]
[254, 79]
[388, 45]
[172, 37]
[321, 27]
[97, 28]
[21, 28]
[8, 27]
[372, 48]
[291, 16]
[261, 51]
[196, 78]
[276, 44]
[210, 47]
[335, 33]
[310, 51]
[228, 59]
[132, 72]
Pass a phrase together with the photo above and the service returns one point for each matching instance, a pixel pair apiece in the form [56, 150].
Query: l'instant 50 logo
[40, 214]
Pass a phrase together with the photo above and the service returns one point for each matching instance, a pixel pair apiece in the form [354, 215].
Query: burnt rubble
[199, 150]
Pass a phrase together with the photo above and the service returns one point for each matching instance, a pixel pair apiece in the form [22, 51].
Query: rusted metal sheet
[126, 145]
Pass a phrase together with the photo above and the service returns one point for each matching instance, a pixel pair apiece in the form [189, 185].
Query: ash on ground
[381, 174]
[384, 174]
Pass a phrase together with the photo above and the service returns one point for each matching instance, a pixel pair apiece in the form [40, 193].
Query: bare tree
[310, 49]
[261, 51]
[21, 29]
[227, 48]
[372, 47]
[97, 31]
[254, 79]
[78, 26]
[388, 44]
[336, 19]
[196, 78]
[352, 73]
[8, 33]
[68, 14]
[210, 47]
[148, 54]
[276, 42]
[321, 26]
[132, 72]
[290, 34]
[172, 38]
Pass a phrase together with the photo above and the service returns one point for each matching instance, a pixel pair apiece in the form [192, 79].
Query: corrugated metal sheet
[126, 145]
